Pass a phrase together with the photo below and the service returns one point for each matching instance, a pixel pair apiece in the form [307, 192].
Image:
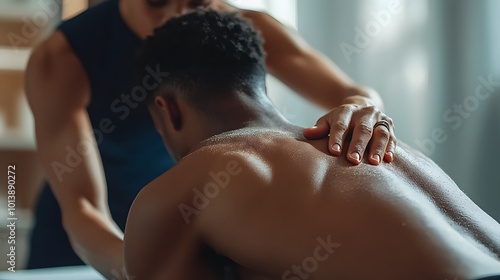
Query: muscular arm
[293, 61]
[58, 93]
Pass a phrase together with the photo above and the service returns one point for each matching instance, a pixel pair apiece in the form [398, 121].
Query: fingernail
[391, 155]
[376, 158]
[336, 148]
[355, 156]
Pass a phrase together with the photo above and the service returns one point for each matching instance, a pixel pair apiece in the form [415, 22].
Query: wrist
[363, 96]
[358, 100]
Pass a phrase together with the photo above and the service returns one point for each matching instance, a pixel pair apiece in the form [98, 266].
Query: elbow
[69, 228]
[73, 241]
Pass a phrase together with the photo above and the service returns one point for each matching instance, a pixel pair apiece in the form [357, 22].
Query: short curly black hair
[208, 54]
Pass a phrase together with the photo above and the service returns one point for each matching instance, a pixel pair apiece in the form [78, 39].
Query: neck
[240, 114]
[128, 18]
[243, 113]
[141, 25]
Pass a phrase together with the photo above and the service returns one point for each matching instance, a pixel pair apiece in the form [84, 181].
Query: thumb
[320, 130]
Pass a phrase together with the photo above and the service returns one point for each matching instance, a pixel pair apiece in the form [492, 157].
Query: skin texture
[58, 92]
[281, 194]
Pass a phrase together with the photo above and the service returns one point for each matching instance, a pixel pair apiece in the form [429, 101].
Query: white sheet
[61, 273]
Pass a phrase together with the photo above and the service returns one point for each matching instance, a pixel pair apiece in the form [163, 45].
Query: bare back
[285, 209]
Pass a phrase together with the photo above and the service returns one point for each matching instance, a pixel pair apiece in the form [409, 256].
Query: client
[250, 188]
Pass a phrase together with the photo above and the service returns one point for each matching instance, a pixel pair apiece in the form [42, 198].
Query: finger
[379, 144]
[320, 130]
[362, 134]
[339, 127]
[391, 148]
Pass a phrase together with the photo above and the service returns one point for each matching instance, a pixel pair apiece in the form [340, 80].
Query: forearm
[96, 239]
[336, 87]
[81, 195]
[317, 78]
[94, 235]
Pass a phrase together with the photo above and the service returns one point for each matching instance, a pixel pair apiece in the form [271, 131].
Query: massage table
[60, 273]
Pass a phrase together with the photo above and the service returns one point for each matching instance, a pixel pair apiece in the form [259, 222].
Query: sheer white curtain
[473, 151]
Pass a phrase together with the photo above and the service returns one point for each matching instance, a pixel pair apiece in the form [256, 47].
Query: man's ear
[170, 107]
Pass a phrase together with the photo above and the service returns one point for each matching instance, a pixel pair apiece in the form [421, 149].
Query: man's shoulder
[191, 171]
[212, 156]
[240, 149]
[48, 75]
[243, 139]
[180, 191]
[54, 54]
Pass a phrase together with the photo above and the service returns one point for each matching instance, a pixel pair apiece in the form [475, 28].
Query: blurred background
[435, 63]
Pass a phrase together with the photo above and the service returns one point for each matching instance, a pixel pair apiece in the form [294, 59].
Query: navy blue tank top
[132, 151]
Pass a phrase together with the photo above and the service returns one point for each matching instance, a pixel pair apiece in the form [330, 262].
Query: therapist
[98, 145]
